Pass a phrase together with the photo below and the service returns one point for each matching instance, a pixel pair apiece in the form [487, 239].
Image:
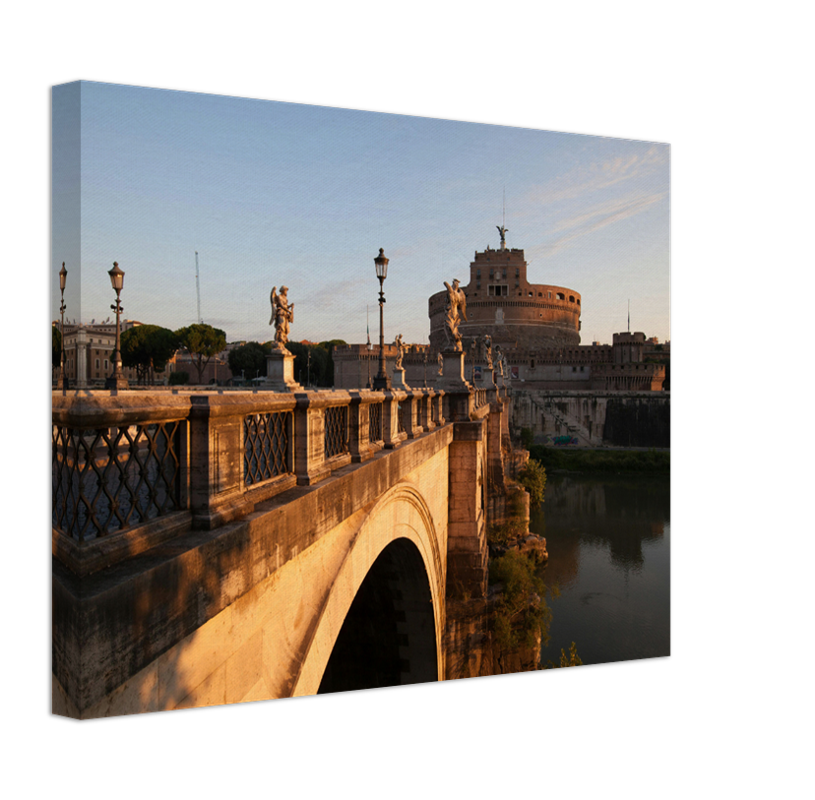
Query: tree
[147, 348]
[521, 611]
[249, 359]
[202, 342]
[56, 346]
[329, 368]
[322, 372]
[571, 660]
[533, 479]
[300, 353]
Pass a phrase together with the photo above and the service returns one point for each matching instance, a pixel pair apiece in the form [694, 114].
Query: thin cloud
[583, 181]
[599, 217]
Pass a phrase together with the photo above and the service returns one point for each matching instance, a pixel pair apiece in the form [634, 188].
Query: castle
[537, 328]
[516, 313]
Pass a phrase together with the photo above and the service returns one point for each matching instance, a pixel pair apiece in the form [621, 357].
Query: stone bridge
[220, 547]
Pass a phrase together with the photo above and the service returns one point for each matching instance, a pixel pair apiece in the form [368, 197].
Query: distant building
[88, 359]
[502, 302]
[536, 326]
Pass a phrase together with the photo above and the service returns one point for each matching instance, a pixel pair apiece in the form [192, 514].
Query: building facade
[88, 359]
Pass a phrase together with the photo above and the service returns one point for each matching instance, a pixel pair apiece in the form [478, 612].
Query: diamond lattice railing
[266, 446]
[336, 431]
[108, 479]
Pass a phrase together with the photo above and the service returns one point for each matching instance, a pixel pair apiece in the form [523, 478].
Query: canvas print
[345, 400]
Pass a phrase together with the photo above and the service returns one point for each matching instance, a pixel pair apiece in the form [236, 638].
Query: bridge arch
[397, 544]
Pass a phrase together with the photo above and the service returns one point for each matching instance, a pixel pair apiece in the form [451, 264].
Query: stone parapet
[160, 462]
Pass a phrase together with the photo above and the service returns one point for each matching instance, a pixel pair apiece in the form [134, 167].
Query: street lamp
[381, 381]
[117, 380]
[63, 378]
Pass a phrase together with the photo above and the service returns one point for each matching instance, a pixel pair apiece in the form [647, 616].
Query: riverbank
[602, 460]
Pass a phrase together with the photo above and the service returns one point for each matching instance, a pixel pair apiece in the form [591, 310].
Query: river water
[608, 539]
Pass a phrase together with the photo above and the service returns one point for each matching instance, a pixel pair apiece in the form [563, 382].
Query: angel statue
[499, 360]
[504, 366]
[488, 350]
[282, 315]
[503, 231]
[400, 351]
[441, 363]
[455, 309]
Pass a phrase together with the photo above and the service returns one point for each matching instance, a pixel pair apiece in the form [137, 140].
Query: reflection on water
[609, 552]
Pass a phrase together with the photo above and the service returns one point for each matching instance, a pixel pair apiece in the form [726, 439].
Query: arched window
[560, 296]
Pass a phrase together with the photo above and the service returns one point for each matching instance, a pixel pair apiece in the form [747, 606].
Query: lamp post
[63, 378]
[117, 380]
[381, 381]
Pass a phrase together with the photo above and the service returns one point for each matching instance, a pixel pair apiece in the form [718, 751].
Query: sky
[272, 193]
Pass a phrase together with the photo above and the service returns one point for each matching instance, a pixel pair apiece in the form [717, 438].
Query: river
[608, 539]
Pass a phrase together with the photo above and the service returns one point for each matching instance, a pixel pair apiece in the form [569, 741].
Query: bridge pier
[466, 543]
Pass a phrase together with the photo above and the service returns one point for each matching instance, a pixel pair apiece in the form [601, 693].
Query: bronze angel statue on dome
[282, 315]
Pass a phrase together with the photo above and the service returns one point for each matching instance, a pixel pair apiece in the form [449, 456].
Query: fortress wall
[623, 419]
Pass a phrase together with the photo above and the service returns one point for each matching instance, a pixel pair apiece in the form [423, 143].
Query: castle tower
[502, 302]
[628, 348]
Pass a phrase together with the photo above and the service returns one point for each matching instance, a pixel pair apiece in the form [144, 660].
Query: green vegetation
[56, 346]
[249, 359]
[502, 533]
[147, 348]
[527, 438]
[571, 660]
[313, 363]
[202, 342]
[319, 369]
[533, 479]
[555, 458]
[179, 378]
[521, 612]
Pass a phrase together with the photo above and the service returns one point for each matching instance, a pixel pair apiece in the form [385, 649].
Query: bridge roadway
[288, 545]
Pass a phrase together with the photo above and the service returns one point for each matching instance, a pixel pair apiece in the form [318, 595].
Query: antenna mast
[198, 288]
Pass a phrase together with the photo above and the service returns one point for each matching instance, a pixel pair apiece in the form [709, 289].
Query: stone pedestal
[499, 381]
[280, 372]
[488, 378]
[398, 379]
[452, 377]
